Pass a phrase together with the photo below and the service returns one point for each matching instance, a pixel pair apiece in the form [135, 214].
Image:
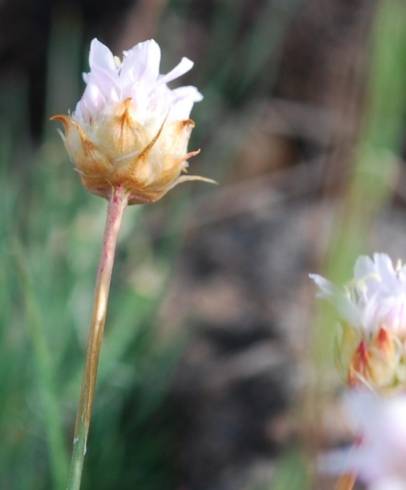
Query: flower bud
[376, 362]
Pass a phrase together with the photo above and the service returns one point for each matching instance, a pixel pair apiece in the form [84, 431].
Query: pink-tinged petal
[363, 408]
[388, 484]
[101, 81]
[379, 424]
[157, 104]
[141, 62]
[101, 58]
[137, 77]
[91, 102]
[180, 69]
[184, 98]
[385, 270]
[106, 80]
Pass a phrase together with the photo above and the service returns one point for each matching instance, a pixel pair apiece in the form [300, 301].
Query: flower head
[379, 456]
[375, 296]
[129, 128]
[372, 307]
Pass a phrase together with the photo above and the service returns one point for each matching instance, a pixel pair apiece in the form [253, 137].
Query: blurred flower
[379, 455]
[372, 308]
[129, 128]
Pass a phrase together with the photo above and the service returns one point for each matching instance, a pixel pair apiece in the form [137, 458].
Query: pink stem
[117, 204]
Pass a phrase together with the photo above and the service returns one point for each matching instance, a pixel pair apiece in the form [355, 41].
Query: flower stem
[346, 482]
[117, 204]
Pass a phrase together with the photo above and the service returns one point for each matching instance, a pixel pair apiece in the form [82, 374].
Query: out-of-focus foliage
[51, 229]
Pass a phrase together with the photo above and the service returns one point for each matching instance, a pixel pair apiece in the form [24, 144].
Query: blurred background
[217, 371]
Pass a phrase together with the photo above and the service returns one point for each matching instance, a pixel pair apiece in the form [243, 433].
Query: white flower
[137, 77]
[372, 306]
[375, 297]
[129, 128]
[379, 456]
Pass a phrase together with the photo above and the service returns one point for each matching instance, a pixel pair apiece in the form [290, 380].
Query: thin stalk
[117, 204]
[346, 482]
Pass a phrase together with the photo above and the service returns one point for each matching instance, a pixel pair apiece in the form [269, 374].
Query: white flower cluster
[375, 297]
[373, 308]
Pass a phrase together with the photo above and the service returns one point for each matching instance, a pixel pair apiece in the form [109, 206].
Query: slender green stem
[117, 204]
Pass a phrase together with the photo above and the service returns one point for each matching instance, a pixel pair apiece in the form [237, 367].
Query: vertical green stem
[117, 204]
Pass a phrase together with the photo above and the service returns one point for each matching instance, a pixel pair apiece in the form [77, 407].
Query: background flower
[379, 454]
[374, 297]
[371, 338]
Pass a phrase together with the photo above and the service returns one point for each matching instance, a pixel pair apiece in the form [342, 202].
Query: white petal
[346, 308]
[385, 269]
[158, 103]
[184, 98]
[141, 62]
[388, 484]
[384, 262]
[364, 267]
[137, 77]
[91, 102]
[326, 287]
[402, 275]
[363, 408]
[371, 314]
[180, 69]
[187, 92]
[103, 81]
[100, 57]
